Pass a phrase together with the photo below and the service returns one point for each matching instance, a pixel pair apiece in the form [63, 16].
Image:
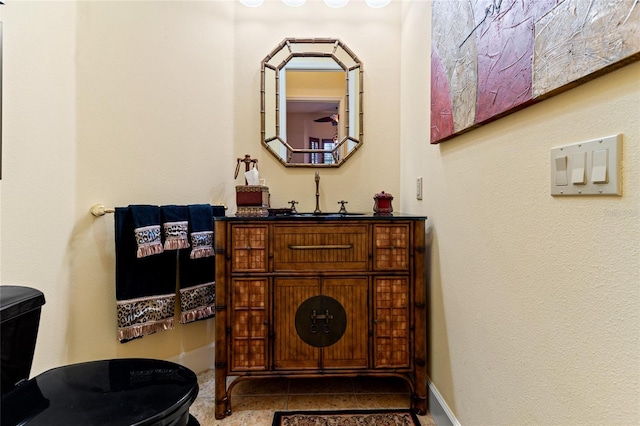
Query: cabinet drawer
[320, 247]
[249, 248]
[390, 247]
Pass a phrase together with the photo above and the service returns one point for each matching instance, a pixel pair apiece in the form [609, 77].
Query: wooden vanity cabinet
[320, 297]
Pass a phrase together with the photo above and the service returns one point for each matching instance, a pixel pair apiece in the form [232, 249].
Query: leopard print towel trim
[145, 315]
[175, 234]
[201, 244]
[197, 302]
[148, 240]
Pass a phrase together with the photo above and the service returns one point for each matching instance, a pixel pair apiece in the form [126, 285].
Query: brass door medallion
[321, 321]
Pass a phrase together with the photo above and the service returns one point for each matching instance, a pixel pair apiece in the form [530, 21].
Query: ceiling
[312, 106]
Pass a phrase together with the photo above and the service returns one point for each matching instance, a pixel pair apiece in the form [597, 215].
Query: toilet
[128, 391]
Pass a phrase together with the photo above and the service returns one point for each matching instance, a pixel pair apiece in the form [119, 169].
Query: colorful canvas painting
[490, 58]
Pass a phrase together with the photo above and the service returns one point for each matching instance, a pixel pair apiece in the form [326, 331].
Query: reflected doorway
[322, 157]
[313, 124]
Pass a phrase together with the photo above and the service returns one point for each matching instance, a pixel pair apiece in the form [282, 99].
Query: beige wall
[534, 299]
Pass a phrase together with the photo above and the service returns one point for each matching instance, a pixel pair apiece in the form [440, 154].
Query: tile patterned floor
[254, 401]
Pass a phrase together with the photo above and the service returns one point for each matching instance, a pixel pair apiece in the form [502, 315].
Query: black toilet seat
[110, 392]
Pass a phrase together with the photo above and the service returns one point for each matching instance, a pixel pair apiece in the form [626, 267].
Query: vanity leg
[419, 404]
[420, 305]
[222, 408]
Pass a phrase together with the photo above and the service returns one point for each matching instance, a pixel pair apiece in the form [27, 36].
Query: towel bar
[99, 210]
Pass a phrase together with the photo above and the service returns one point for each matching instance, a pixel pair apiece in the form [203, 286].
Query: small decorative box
[252, 196]
[382, 203]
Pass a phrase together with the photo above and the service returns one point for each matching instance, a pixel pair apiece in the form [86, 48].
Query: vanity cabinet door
[291, 352]
[249, 248]
[391, 322]
[351, 350]
[249, 324]
[391, 247]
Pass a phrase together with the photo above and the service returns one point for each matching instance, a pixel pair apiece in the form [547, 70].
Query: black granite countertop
[327, 217]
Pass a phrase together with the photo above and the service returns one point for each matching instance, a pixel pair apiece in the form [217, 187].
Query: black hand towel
[145, 286]
[201, 230]
[175, 224]
[197, 273]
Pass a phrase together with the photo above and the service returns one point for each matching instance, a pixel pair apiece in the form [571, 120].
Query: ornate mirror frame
[318, 55]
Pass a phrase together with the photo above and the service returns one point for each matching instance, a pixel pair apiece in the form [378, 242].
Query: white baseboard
[438, 408]
[198, 360]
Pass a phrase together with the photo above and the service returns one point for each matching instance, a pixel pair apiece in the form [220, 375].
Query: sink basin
[326, 214]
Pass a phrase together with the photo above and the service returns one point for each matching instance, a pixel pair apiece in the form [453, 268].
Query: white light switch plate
[419, 188]
[584, 176]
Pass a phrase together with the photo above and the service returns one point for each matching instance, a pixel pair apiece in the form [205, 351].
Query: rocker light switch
[578, 170]
[599, 170]
[561, 171]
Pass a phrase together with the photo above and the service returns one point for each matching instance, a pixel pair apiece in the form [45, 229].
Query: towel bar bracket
[100, 210]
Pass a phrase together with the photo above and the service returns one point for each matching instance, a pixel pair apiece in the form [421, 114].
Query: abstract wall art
[490, 58]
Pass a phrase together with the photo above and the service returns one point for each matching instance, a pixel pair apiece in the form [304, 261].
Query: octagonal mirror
[311, 102]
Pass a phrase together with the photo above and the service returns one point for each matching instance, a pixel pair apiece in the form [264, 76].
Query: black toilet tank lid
[18, 300]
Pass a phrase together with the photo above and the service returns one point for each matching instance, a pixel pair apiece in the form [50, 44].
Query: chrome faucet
[317, 210]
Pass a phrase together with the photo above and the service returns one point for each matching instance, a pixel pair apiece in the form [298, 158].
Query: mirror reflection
[311, 102]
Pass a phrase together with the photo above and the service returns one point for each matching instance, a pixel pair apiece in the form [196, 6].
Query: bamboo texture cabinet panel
[325, 297]
[249, 320]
